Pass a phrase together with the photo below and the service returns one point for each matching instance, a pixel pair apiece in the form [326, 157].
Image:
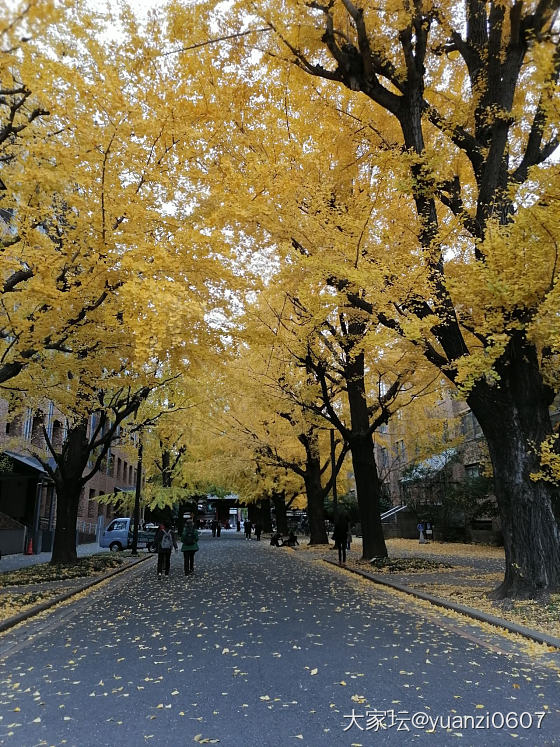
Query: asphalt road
[262, 647]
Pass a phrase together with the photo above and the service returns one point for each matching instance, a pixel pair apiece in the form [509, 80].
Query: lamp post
[36, 517]
[137, 499]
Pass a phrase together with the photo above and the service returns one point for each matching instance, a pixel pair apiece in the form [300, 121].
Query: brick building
[27, 493]
[427, 481]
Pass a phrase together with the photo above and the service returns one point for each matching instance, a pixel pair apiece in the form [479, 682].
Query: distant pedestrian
[248, 527]
[164, 541]
[189, 538]
[292, 540]
[218, 528]
[214, 526]
[258, 530]
[340, 537]
[238, 525]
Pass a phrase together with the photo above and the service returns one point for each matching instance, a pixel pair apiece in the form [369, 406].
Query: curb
[32, 611]
[498, 622]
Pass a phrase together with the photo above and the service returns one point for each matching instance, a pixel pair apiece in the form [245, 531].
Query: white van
[118, 535]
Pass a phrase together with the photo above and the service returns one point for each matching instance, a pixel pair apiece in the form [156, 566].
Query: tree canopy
[370, 191]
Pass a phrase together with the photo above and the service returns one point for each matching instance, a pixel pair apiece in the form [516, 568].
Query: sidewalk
[19, 560]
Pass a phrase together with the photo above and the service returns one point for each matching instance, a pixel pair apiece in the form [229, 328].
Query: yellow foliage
[550, 461]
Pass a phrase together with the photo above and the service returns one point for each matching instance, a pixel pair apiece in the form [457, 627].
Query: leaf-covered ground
[12, 603]
[44, 572]
[457, 572]
[26, 588]
[263, 646]
[406, 565]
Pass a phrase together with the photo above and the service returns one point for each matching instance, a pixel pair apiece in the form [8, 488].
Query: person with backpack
[189, 538]
[164, 541]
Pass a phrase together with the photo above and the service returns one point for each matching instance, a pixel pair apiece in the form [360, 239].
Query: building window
[28, 425]
[470, 426]
[57, 434]
[37, 430]
[82, 509]
[92, 505]
[472, 471]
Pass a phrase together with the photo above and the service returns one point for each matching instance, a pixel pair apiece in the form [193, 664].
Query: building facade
[438, 468]
[27, 493]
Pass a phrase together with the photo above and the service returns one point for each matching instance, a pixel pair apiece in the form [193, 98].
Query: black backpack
[189, 536]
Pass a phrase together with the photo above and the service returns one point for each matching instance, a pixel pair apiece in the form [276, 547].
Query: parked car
[118, 536]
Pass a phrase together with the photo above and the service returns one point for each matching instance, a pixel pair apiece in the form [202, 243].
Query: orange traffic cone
[29, 548]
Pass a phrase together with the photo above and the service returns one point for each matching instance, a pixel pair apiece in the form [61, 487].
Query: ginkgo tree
[305, 195]
[277, 445]
[461, 101]
[107, 278]
[98, 145]
[53, 272]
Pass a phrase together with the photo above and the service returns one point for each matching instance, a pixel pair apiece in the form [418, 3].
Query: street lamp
[137, 499]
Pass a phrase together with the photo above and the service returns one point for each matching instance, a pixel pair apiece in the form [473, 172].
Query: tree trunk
[279, 503]
[253, 513]
[69, 483]
[67, 502]
[368, 490]
[514, 417]
[266, 518]
[166, 478]
[368, 485]
[315, 493]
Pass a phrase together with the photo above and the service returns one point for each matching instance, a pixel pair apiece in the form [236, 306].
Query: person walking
[248, 527]
[258, 530]
[164, 541]
[340, 537]
[189, 538]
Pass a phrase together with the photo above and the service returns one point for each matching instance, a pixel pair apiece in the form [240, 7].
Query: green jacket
[193, 546]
